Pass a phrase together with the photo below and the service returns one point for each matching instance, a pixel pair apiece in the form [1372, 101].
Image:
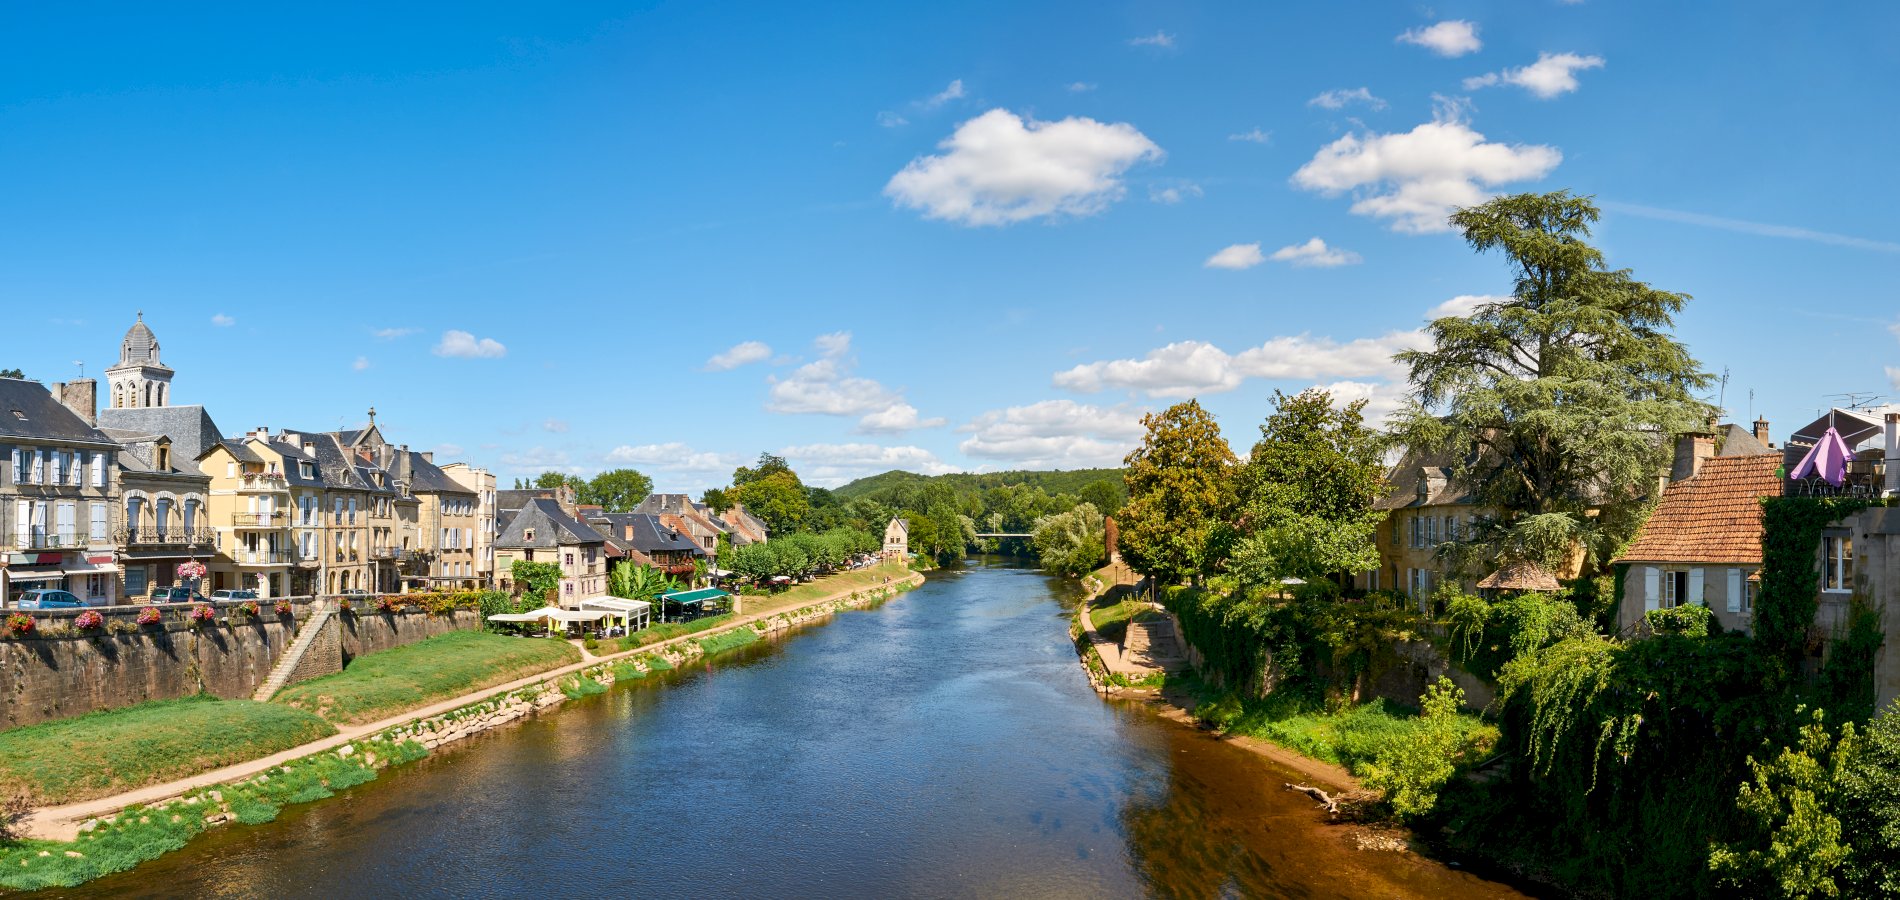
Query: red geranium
[21, 624]
[89, 621]
[150, 616]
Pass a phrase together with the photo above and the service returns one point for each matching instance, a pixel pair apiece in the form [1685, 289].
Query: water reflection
[944, 745]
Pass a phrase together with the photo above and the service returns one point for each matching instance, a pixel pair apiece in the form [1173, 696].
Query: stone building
[897, 540]
[541, 531]
[58, 495]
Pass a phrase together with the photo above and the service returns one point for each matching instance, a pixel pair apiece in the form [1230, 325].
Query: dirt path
[61, 823]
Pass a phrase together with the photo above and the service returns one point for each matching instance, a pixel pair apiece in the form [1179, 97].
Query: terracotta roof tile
[1714, 517]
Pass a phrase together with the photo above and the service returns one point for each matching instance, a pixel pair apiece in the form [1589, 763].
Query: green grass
[656, 663]
[384, 684]
[1347, 735]
[582, 686]
[814, 591]
[731, 640]
[111, 751]
[1111, 621]
[671, 630]
[626, 670]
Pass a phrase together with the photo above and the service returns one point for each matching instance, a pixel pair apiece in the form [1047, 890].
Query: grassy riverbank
[394, 681]
[814, 591]
[117, 750]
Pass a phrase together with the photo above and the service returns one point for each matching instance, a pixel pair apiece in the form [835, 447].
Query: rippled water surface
[944, 744]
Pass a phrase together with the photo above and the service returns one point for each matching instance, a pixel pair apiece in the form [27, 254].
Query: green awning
[689, 598]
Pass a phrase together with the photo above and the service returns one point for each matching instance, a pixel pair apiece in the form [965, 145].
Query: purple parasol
[1828, 457]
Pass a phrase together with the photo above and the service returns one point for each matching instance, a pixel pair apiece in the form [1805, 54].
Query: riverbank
[82, 841]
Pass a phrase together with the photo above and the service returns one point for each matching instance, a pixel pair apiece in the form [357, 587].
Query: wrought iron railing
[166, 537]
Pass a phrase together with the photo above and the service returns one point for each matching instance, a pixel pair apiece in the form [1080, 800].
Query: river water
[944, 744]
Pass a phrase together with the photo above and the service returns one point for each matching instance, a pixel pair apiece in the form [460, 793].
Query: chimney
[81, 395]
[1691, 450]
[428, 456]
[1761, 431]
[1892, 463]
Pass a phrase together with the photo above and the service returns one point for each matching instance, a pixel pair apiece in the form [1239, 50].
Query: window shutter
[1695, 589]
[1652, 588]
[1735, 590]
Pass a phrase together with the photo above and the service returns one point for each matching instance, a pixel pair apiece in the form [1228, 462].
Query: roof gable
[1714, 516]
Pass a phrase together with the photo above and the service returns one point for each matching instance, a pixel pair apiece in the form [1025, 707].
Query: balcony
[258, 520]
[166, 537]
[261, 482]
[262, 557]
[384, 553]
[50, 541]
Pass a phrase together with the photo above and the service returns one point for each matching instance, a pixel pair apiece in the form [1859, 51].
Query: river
[944, 744]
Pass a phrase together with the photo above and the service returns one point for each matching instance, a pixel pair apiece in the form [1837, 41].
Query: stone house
[1702, 543]
[744, 527]
[651, 539]
[481, 483]
[897, 540]
[1425, 508]
[541, 531]
[166, 513]
[58, 493]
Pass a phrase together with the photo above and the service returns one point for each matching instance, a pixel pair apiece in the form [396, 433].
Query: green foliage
[12, 373]
[640, 583]
[1688, 620]
[1073, 482]
[778, 499]
[1485, 636]
[1105, 494]
[1790, 580]
[111, 751]
[1412, 768]
[1251, 642]
[1306, 492]
[581, 686]
[727, 640]
[1073, 542]
[1549, 400]
[535, 579]
[617, 490]
[1794, 847]
[1846, 684]
[550, 480]
[1180, 495]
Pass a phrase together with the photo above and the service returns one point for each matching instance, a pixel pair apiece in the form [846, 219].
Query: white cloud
[448, 451]
[462, 345]
[1174, 193]
[1059, 434]
[826, 387]
[554, 426]
[540, 459]
[1340, 98]
[1235, 256]
[1313, 254]
[1552, 74]
[1893, 375]
[223, 321]
[739, 354]
[897, 418]
[1160, 39]
[1382, 398]
[830, 465]
[953, 92]
[997, 169]
[1080, 87]
[1417, 177]
[675, 458]
[1256, 136]
[1454, 37]
[1462, 305]
[1188, 368]
[390, 334]
[361, 363]
[890, 119]
[1758, 228]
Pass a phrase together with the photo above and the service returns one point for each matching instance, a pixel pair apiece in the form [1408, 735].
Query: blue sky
[889, 235]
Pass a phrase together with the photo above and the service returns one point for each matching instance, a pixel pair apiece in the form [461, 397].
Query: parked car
[177, 595]
[234, 595]
[47, 599]
[356, 593]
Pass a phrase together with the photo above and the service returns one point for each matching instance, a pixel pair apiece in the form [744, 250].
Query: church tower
[139, 380]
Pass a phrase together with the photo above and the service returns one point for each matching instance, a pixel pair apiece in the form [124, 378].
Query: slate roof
[1739, 441]
[427, 477]
[28, 410]
[655, 504]
[192, 432]
[1435, 472]
[552, 528]
[1713, 517]
[508, 501]
[649, 534]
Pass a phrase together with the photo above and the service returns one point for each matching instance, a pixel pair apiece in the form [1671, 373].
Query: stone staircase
[1153, 643]
[312, 629]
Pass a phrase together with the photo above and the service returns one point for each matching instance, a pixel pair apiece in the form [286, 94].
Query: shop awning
[17, 577]
[690, 598]
[616, 604]
[542, 614]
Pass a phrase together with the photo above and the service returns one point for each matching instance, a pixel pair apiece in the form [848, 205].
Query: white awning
[35, 576]
[617, 604]
[542, 614]
[580, 615]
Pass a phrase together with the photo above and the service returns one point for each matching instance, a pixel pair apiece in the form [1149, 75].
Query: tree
[1796, 843]
[550, 480]
[640, 583]
[1105, 495]
[1559, 399]
[1180, 495]
[716, 499]
[1073, 542]
[777, 499]
[1307, 490]
[768, 466]
[617, 490]
[12, 373]
[535, 579]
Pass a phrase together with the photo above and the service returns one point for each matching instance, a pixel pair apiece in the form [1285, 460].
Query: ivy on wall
[1790, 576]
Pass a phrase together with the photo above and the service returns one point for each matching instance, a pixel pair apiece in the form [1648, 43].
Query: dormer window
[527, 534]
[164, 459]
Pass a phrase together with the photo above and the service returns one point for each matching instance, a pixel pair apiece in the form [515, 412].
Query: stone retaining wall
[46, 678]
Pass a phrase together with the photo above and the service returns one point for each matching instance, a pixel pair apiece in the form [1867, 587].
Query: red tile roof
[1713, 517]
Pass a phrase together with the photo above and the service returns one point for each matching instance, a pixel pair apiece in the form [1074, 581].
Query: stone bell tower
[139, 379]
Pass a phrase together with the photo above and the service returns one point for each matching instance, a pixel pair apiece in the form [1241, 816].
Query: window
[39, 467]
[1431, 531]
[1413, 525]
[55, 469]
[570, 558]
[96, 529]
[352, 510]
[99, 470]
[68, 523]
[95, 585]
[135, 580]
[307, 469]
[230, 470]
[1837, 563]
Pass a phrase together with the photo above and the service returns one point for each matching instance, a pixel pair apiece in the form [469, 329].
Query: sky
[946, 237]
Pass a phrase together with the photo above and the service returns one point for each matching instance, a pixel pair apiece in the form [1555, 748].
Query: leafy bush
[1412, 768]
[1688, 620]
